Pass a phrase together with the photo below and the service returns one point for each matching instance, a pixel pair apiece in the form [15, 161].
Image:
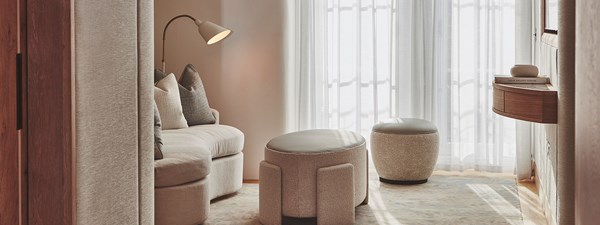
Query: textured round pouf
[404, 150]
[313, 173]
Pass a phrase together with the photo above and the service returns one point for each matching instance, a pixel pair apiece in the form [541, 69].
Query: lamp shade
[210, 32]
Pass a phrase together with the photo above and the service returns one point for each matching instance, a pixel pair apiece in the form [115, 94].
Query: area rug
[445, 199]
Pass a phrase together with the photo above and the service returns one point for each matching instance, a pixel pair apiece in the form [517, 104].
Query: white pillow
[166, 95]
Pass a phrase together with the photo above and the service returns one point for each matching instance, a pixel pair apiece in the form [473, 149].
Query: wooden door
[9, 151]
[50, 155]
[36, 154]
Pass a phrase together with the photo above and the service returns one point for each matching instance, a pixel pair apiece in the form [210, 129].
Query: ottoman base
[403, 182]
[295, 220]
[313, 176]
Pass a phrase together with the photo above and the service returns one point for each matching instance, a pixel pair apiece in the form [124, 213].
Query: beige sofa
[200, 163]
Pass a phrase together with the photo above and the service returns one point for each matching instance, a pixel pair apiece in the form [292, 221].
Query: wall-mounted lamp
[210, 32]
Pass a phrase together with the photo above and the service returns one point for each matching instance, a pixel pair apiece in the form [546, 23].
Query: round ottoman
[313, 173]
[404, 150]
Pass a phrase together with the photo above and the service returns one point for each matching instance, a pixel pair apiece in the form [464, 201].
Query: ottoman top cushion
[316, 141]
[405, 126]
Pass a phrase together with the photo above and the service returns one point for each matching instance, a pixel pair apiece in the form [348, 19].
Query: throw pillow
[158, 75]
[166, 95]
[158, 144]
[193, 98]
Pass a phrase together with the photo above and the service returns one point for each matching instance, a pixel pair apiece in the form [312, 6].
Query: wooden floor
[531, 209]
[530, 204]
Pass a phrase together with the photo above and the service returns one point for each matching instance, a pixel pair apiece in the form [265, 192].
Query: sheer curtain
[352, 63]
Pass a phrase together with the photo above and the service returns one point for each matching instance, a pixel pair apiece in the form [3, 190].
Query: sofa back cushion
[158, 75]
[158, 143]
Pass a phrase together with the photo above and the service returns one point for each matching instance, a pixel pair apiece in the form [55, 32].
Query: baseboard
[250, 181]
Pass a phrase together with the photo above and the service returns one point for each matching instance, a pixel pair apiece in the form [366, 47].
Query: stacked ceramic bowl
[521, 70]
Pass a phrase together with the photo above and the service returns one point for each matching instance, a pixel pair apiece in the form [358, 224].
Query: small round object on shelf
[524, 70]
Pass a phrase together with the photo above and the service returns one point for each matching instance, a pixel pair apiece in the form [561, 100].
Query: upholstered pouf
[313, 173]
[404, 150]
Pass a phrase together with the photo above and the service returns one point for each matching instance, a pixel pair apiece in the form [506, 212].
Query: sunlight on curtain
[483, 44]
[357, 62]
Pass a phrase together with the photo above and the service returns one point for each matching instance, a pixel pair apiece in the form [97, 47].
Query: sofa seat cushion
[184, 161]
[220, 140]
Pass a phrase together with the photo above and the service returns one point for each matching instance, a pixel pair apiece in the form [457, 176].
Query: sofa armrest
[215, 114]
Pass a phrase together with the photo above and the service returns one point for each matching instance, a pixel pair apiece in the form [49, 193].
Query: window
[359, 62]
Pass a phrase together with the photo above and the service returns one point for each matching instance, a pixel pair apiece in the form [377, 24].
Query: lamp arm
[165, 34]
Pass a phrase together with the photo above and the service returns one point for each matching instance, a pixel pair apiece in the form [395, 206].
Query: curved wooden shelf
[529, 102]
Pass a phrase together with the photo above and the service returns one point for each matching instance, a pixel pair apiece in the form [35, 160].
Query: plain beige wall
[554, 156]
[243, 74]
[587, 111]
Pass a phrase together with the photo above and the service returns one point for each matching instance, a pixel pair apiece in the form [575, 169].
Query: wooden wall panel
[9, 167]
[50, 154]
